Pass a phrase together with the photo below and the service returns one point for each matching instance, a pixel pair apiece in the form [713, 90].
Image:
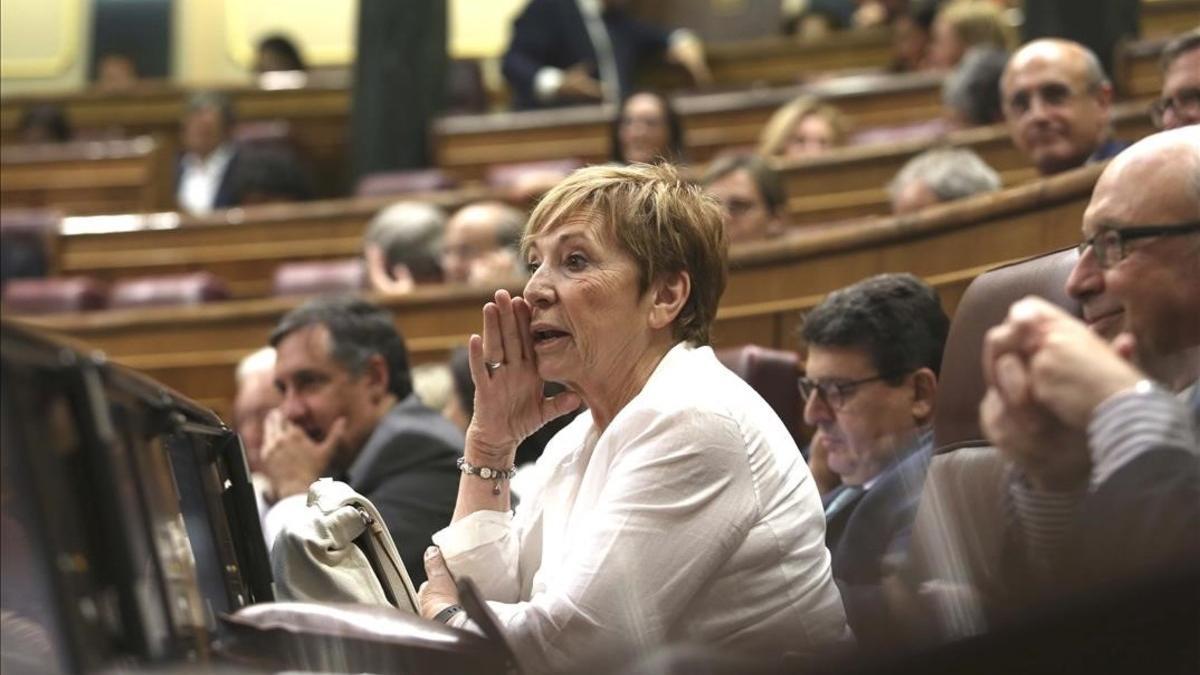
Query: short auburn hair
[665, 223]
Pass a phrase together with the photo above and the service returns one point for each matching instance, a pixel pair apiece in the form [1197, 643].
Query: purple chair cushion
[179, 289]
[348, 275]
[49, 296]
[774, 374]
[404, 182]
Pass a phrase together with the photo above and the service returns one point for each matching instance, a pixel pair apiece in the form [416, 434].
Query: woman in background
[647, 130]
[806, 127]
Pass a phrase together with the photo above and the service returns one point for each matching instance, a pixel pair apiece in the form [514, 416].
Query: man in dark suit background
[874, 350]
[204, 177]
[580, 51]
[349, 412]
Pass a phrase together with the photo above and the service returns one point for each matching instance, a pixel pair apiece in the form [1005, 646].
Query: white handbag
[340, 551]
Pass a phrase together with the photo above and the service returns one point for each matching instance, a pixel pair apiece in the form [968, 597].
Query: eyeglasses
[1109, 244]
[835, 394]
[1185, 99]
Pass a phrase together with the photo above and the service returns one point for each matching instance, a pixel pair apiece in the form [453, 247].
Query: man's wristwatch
[444, 615]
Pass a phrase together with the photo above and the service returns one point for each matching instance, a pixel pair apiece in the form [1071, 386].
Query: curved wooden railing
[194, 349]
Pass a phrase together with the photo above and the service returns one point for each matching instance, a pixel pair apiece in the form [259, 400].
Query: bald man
[1094, 476]
[480, 244]
[1057, 103]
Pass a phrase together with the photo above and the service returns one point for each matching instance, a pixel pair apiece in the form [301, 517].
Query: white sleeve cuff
[477, 529]
[546, 83]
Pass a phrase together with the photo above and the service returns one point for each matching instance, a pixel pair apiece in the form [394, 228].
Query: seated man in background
[874, 351]
[402, 247]
[256, 397]
[1057, 103]
[1095, 473]
[349, 412]
[480, 245]
[582, 51]
[209, 155]
[751, 196]
[938, 176]
[1180, 102]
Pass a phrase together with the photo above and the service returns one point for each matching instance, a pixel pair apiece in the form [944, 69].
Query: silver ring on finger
[492, 366]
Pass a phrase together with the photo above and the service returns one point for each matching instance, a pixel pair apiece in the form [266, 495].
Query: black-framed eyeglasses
[1109, 244]
[835, 394]
[1185, 99]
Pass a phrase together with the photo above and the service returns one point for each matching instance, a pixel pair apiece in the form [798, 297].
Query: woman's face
[946, 48]
[643, 133]
[811, 136]
[588, 320]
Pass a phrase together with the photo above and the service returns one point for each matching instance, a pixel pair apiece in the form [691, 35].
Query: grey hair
[1179, 46]
[1093, 70]
[973, 89]
[204, 100]
[410, 233]
[950, 173]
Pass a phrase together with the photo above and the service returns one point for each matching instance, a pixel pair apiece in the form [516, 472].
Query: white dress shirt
[200, 179]
[691, 518]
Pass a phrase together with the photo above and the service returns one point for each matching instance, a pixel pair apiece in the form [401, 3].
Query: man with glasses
[874, 350]
[1180, 102]
[1095, 473]
[1057, 103]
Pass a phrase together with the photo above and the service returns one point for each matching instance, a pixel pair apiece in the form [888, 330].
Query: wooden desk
[1164, 18]
[244, 246]
[88, 176]
[468, 144]
[781, 60]
[194, 349]
[851, 182]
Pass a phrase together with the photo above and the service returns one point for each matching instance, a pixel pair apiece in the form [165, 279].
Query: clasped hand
[1045, 373]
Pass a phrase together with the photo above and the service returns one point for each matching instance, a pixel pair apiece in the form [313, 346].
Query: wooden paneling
[194, 349]
[244, 246]
[87, 177]
[1164, 18]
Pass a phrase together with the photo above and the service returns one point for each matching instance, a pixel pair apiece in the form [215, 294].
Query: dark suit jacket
[878, 527]
[552, 33]
[225, 197]
[1111, 148]
[407, 469]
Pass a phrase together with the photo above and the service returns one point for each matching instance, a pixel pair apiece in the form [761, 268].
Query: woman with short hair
[676, 508]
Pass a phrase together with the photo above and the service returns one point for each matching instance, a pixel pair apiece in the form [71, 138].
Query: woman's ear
[924, 393]
[670, 293]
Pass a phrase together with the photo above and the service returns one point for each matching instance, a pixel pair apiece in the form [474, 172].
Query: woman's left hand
[439, 592]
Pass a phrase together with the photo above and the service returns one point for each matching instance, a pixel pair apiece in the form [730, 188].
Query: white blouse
[692, 518]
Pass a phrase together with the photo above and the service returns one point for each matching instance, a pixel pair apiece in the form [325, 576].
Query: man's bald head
[1056, 101]
[1151, 284]
[476, 230]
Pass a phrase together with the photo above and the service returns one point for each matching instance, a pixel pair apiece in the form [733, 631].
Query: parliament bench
[195, 349]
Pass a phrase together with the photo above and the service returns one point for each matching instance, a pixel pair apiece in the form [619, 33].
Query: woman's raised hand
[509, 400]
